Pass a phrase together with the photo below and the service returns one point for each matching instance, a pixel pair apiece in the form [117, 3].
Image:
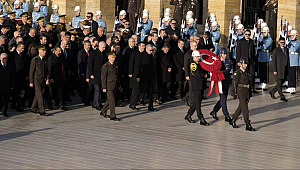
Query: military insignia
[193, 66]
[234, 74]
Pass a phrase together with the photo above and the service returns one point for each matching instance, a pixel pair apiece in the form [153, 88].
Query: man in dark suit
[133, 11]
[82, 59]
[134, 74]
[226, 68]
[92, 23]
[178, 11]
[172, 28]
[281, 66]
[7, 76]
[38, 76]
[178, 59]
[19, 61]
[206, 42]
[30, 38]
[125, 66]
[93, 73]
[56, 75]
[245, 48]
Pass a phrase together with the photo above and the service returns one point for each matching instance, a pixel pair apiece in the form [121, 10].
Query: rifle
[183, 29]
[231, 32]
[161, 18]
[116, 19]
[207, 22]
[139, 22]
[286, 34]
[256, 35]
[281, 29]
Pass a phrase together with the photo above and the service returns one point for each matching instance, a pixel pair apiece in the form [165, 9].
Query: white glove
[185, 31]
[260, 39]
[206, 29]
[116, 22]
[234, 37]
[231, 32]
[70, 23]
[182, 26]
[287, 42]
[139, 25]
[254, 29]
[206, 24]
[281, 33]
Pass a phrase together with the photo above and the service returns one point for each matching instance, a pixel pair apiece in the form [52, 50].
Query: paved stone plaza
[81, 139]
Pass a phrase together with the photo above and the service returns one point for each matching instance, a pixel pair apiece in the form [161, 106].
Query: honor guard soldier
[76, 20]
[55, 16]
[110, 83]
[265, 44]
[190, 30]
[178, 11]
[133, 9]
[146, 27]
[294, 49]
[215, 36]
[36, 14]
[272, 7]
[38, 73]
[189, 15]
[193, 5]
[222, 103]
[239, 35]
[166, 22]
[44, 8]
[197, 76]
[25, 5]
[122, 15]
[241, 89]
[17, 9]
[99, 20]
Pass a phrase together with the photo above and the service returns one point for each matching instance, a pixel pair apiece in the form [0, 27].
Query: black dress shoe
[203, 122]
[63, 108]
[228, 119]
[189, 119]
[50, 108]
[233, 123]
[5, 115]
[43, 114]
[133, 107]
[254, 91]
[98, 108]
[33, 111]
[214, 115]
[104, 115]
[143, 103]
[115, 119]
[272, 95]
[249, 127]
[283, 99]
[152, 109]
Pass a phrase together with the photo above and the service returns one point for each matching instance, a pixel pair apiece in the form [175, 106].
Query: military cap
[41, 19]
[125, 32]
[60, 25]
[62, 16]
[84, 22]
[50, 24]
[24, 14]
[73, 31]
[111, 54]
[2, 17]
[87, 27]
[42, 47]
[6, 26]
[29, 19]
[19, 25]
[243, 60]
[1, 11]
[12, 14]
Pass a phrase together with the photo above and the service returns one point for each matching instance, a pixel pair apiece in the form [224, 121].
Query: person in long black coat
[125, 66]
[245, 48]
[206, 42]
[93, 73]
[7, 76]
[172, 28]
[57, 77]
[281, 66]
[82, 59]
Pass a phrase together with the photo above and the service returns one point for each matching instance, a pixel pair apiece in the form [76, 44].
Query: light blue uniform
[234, 49]
[18, 12]
[35, 16]
[76, 21]
[102, 23]
[146, 28]
[294, 53]
[25, 6]
[54, 18]
[263, 55]
[44, 9]
[215, 37]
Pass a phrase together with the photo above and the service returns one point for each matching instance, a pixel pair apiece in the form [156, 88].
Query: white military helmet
[98, 12]
[240, 27]
[77, 9]
[213, 15]
[166, 18]
[37, 4]
[263, 25]
[290, 28]
[146, 11]
[196, 53]
[294, 32]
[259, 21]
[167, 10]
[188, 17]
[17, 2]
[237, 22]
[167, 14]
[214, 24]
[145, 15]
[191, 21]
[212, 19]
[236, 18]
[285, 23]
[122, 12]
[266, 29]
[190, 13]
[55, 7]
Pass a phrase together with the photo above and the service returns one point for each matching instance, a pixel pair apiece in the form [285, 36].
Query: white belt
[294, 53]
[144, 35]
[265, 51]
[216, 43]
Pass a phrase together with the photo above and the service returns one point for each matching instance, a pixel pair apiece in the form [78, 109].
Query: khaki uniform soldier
[38, 76]
[110, 82]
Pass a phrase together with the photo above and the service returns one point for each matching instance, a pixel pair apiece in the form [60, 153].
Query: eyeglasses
[88, 16]
[174, 23]
[248, 34]
[127, 24]
[151, 50]
[4, 58]
[282, 42]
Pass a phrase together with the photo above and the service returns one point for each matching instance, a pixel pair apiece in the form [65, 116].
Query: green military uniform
[111, 82]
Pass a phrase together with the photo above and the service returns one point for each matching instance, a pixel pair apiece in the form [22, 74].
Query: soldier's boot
[214, 115]
[203, 122]
[233, 123]
[228, 119]
[249, 127]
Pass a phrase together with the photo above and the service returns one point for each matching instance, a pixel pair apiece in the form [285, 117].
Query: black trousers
[196, 104]
[97, 94]
[55, 92]
[292, 78]
[83, 88]
[134, 96]
[18, 86]
[4, 98]
[278, 87]
[189, 96]
[182, 88]
[132, 20]
[263, 72]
